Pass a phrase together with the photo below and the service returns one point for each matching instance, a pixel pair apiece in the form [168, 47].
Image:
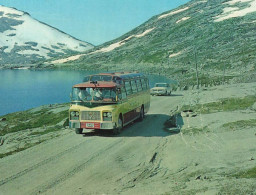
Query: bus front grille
[90, 115]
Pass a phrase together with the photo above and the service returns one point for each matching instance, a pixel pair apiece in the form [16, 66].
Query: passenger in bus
[98, 94]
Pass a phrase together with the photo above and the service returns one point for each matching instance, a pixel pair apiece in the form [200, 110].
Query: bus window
[101, 78]
[144, 84]
[147, 83]
[117, 80]
[139, 85]
[86, 79]
[134, 87]
[128, 87]
[123, 93]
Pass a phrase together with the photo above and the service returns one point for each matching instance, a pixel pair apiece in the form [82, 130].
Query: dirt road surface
[143, 159]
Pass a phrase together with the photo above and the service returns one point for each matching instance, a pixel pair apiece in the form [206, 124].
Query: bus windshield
[90, 94]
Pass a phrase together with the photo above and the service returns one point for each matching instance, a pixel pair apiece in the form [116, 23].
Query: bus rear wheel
[79, 130]
[119, 127]
[142, 114]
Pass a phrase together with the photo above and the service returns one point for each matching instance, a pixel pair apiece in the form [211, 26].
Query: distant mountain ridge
[219, 36]
[26, 41]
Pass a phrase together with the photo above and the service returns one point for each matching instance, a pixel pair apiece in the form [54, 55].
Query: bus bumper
[92, 125]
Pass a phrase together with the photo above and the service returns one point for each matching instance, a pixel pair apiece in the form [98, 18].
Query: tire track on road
[27, 170]
[68, 174]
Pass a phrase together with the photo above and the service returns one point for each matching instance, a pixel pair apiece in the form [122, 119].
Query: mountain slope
[24, 40]
[217, 35]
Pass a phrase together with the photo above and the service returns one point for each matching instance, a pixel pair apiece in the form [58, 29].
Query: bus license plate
[90, 125]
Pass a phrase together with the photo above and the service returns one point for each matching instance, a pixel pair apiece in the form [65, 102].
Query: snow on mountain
[232, 12]
[25, 40]
[216, 35]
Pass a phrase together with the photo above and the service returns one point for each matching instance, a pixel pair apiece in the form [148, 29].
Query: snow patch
[71, 58]
[173, 12]
[174, 54]
[182, 19]
[144, 33]
[42, 35]
[120, 43]
[8, 10]
[232, 12]
[105, 49]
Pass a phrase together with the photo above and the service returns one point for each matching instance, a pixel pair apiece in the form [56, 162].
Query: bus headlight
[74, 115]
[107, 116]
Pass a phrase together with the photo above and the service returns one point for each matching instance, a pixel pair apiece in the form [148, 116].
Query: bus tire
[79, 130]
[142, 114]
[119, 127]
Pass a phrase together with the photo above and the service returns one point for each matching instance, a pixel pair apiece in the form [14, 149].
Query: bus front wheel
[79, 130]
[119, 127]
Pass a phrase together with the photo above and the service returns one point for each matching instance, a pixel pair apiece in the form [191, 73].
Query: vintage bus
[109, 101]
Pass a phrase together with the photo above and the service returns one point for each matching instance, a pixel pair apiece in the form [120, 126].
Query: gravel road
[94, 162]
[144, 159]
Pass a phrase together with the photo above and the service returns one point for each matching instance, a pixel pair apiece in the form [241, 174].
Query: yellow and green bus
[109, 101]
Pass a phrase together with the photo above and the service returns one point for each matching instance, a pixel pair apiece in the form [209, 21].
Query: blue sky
[94, 21]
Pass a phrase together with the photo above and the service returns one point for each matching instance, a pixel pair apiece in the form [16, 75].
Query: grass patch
[29, 145]
[250, 173]
[240, 124]
[195, 130]
[28, 120]
[48, 130]
[225, 104]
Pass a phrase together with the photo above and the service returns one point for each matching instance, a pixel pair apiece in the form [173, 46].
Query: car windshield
[160, 85]
[93, 95]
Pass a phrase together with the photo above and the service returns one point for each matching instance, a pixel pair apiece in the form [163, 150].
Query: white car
[161, 89]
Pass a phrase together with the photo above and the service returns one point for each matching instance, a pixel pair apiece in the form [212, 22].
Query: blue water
[25, 89]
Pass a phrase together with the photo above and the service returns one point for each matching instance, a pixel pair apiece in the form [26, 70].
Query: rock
[173, 121]
[188, 113]
[253, 107]
[198, 177]
[1, 141]
[185, 88]
[193, 115]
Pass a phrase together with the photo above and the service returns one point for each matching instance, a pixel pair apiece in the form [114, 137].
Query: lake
[25, 89]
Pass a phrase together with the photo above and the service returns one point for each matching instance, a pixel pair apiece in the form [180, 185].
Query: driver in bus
[83, 94]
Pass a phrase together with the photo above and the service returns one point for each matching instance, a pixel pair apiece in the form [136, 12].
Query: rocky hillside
[25, 41]
[216, 36]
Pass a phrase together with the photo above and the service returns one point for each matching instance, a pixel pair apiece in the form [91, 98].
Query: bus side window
[139, 85]
[144, 84]
[147, 83]
[128, 87]
[123, 93]
[86, 79]
[134, 86]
